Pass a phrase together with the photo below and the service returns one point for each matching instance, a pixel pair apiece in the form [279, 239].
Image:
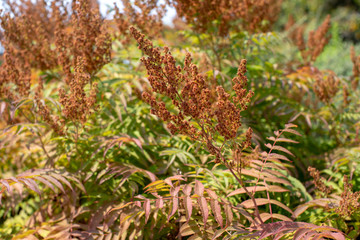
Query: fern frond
[200, 210]
[49, 177]
[298, 230]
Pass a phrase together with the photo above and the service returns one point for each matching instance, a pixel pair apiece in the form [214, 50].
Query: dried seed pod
[196, 112]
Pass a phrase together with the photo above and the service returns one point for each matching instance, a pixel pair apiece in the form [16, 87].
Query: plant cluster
[230, 130]
[254, 16]
[139, 14]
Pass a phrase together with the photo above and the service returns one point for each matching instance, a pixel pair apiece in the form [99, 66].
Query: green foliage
[121, 174]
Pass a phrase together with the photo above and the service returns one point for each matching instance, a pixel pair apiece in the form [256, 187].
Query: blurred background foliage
[97, 168]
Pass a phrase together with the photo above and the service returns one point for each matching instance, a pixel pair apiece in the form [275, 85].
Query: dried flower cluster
[43, 37]
[325, 84]
[196, 112]
[38, 36]
[139, 14]
[86, 37]
[84, 47]
[254, 15]
[316, 42]
[326, 87]
[76, 104]
[319, 181]
[356, 68]
[349, 202]
[28, 32]
[15, 76]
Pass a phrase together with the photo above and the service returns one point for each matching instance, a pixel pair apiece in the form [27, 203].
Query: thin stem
[49, 161]
[268, 196]
[265, 160]
[257, 213]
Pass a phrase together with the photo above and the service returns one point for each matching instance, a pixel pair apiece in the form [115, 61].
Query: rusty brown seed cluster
[41, 37]
[14, 78]
[84, 47]
[26, 36]
[252, 14]
[44, 37]
[319, 181]
[142, 17]
[76, 104]
[326, 87]
[86, 36]
[349, 202]
[28, 32]
[316, 42]
[195, 112]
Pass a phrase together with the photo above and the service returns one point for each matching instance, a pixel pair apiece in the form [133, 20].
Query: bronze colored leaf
[216, 209]
[44, 181]
[174, 208]
[31, 184]
[212, 194]
[262, 201]
[278, 156]
[187, 189]
[281, 140]
[174, 191]
[229, 215]
[6, 184]
[54, 181]
[270, 188]
[279, 148]
[199, 188]
[203, 208]
[292, 131]
[147, 209]
[267, 216]
[159, 203]
[188, 207]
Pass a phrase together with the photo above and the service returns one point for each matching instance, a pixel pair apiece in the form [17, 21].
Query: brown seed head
[319, 181]
[139, 14]
[316, 42]
[349, 203]
[326, 86]
[254, 16]
[195, 112]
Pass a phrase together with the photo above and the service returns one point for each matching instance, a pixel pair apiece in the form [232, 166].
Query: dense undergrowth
[241, 121]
